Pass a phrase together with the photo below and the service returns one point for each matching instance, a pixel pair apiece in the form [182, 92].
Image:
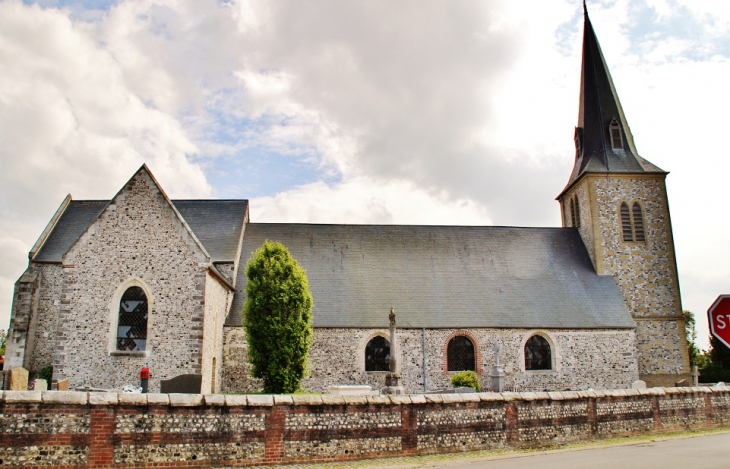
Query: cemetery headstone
[18, 379]
[62, 385]
[40, 385]
[182, 384]
[639, 384]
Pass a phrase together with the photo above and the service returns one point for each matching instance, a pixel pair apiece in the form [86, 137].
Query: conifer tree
[278, 318]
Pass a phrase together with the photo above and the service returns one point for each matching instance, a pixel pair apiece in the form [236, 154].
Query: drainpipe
[423, 346]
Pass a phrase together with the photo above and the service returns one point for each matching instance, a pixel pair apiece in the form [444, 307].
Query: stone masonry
[596, 359]
[645, 271]
[117, 251]
[107, 430]
[217, 302]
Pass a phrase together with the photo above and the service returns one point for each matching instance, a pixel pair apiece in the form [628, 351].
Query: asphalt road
[700, 452]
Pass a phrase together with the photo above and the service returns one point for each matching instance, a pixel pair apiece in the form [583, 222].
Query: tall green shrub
[278, 318]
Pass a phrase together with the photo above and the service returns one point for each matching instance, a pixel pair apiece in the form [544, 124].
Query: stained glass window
[538, 355]
[460, 354]
[377, 354]
[132, 326]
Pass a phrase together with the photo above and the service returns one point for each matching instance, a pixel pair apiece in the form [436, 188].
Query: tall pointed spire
[603, 140]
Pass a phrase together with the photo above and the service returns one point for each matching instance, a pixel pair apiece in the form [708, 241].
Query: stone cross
[696, 375]
[392, 379]
[498, 373]
[393, 366]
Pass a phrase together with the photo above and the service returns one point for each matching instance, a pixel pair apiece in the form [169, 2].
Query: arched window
[132, 325]
[572, 213]
[377, 354]
[538, 355]
[626, 222]
[638, 223]
[460, 354]
[577, 213]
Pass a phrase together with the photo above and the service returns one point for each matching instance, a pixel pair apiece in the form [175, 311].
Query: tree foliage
[278, 318]
[719, 354]
[691, 334]
[46, 373]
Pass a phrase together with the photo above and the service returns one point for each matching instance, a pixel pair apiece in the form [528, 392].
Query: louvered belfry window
[460, 354]
[377, 354]
[538, 355]
[616, 143]
[577, 213]
[572, 213]
[638, 223]
[132, 326]
[626, 222]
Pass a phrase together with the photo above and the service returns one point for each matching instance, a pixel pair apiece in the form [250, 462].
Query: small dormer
[615, 133]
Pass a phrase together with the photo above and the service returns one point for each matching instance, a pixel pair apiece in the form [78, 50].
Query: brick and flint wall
[582, 359]
[52, 429]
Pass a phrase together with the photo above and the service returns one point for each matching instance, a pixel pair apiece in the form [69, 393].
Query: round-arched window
[132, 325]
[460, 354]
[377, 354]
[538, 355]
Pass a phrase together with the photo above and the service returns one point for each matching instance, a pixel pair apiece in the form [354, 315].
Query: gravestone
[182, 384]
[62, 385]
[639, 384]
[18, 379]
[40, 385]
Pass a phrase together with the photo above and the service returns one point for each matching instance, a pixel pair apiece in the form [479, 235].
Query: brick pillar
[275, 429]
[592, 416]
[512, 430]
[708, 409]
[409, 429]
[101, 447]
[655, 412]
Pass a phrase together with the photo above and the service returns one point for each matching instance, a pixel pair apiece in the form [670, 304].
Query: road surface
[700, 452]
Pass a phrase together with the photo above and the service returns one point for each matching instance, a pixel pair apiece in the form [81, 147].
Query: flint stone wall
[645, 272]
[52, 428]
[36, 306]
[115, 250]
[599, 359]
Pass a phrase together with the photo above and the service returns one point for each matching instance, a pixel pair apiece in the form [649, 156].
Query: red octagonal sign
[719, 318]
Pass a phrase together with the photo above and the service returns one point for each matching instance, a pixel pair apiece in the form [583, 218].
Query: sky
[448, 112]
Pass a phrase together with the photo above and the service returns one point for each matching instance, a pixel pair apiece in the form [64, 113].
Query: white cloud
[69, 123]
[410, 111]
[365, 200]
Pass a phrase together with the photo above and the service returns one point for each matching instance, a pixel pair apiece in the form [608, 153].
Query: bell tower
[618, 202]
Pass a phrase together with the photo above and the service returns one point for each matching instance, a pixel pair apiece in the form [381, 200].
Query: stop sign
[719, 318]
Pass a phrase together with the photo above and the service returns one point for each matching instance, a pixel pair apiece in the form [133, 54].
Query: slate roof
[444, 276]
[599, 106]
[216, 223]
[78, 215]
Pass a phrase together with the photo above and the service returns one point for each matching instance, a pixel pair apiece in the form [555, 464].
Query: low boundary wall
[103, 430]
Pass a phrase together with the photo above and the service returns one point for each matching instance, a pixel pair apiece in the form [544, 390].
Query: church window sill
[121, 353]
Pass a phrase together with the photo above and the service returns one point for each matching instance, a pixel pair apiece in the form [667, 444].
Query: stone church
[113, 285]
